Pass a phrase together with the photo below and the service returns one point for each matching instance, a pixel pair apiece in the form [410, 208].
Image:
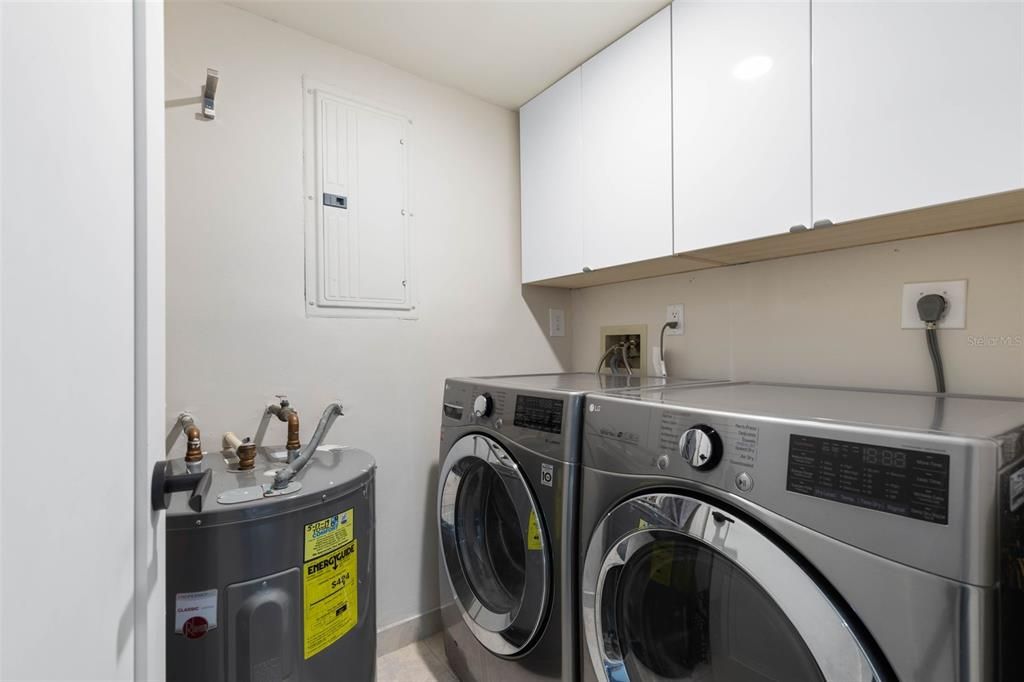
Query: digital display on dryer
[539, 414]
[894, 480]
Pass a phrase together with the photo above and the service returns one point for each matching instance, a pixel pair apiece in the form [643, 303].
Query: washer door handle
[719, 517]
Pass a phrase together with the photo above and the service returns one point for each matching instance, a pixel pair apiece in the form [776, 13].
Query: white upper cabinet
[718, 122]
[915, 103]
[627, 149]
[551, 157]
[742, 120]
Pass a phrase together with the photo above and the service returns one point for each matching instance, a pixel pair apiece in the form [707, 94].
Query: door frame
[150, 325]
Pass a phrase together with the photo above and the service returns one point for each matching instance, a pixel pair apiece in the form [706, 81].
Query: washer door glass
[494, 549]
[491, 541]
[675, 588]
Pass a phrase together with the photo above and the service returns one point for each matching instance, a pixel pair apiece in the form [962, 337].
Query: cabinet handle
[586, 269]
[824, 222]
[798, 228]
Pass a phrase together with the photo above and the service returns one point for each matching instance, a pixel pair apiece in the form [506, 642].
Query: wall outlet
[556, 322]
[955, 293]
[674, 313]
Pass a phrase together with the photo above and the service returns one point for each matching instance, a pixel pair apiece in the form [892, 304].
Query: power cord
[671, 324]
[930, 309]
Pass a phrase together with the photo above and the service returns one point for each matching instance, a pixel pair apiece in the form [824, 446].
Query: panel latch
[335, 200]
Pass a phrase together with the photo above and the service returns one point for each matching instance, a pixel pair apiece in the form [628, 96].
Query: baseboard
[404, 632]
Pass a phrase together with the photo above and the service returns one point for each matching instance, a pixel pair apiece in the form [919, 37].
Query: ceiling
[502, 51]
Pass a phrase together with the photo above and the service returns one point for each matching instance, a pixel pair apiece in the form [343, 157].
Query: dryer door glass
[495, 551]
[685, 612]
[676, 588]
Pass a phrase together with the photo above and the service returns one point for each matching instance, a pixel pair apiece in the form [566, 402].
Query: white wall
[832, 318]
[237, 331]
[66, 279]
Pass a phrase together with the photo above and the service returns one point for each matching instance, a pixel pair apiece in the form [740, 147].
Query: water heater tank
[274, 586]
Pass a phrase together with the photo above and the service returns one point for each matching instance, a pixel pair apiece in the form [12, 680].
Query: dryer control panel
[889, 479]
[898, 494]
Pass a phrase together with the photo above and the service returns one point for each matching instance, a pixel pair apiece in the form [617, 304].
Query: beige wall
[236, 329]
[831, 318]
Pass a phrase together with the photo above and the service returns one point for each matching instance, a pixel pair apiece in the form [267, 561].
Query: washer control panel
[483, 405]
[538, 413]
[701, 446]
[539, 420]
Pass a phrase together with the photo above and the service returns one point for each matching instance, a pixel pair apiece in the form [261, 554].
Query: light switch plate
[674, 313]
[955, 293]
[556, 322]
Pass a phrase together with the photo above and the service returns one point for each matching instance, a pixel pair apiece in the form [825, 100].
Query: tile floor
[422, 661]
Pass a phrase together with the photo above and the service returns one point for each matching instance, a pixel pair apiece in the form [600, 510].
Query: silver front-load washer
[506, 520]
[770, 532]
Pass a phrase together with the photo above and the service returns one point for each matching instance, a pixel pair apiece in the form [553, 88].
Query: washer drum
[274, 588]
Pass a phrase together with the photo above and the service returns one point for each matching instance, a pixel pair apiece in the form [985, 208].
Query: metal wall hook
[210, 93]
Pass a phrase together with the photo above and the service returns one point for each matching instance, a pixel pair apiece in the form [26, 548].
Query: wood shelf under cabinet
[968, 214]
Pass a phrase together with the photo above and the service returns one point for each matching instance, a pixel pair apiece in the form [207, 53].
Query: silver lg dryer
[767, 532]
[506, 516]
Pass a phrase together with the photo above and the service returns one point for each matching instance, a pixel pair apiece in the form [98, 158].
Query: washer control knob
[483, 405]
[701, 446]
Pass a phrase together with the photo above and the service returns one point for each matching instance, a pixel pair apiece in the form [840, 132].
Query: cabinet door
[627, 147]
[551, 153]
[915, 103]
[741, 120]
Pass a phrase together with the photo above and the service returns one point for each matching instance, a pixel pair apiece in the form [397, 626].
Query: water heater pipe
[285, 475]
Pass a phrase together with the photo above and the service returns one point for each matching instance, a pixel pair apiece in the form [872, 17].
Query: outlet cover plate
[556, 322]
[675, 312]
[955, 293]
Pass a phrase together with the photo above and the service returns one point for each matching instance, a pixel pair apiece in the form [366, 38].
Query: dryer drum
[678, 588]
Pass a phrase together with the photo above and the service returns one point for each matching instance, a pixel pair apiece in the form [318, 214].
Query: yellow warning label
[327, 535]
[643, 523]
[533, 539]
[330, 592]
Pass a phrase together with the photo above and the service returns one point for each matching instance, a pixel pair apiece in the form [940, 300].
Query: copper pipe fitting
[194, 449]
[246, 456]
[293, 431]
[286, 413]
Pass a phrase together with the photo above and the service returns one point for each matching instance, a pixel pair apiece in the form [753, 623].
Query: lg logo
[547, 475]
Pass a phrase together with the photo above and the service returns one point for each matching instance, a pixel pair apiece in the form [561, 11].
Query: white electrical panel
[357, 213]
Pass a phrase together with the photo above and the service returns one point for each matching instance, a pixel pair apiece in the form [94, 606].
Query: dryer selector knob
[701, 446]
[483, 405]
